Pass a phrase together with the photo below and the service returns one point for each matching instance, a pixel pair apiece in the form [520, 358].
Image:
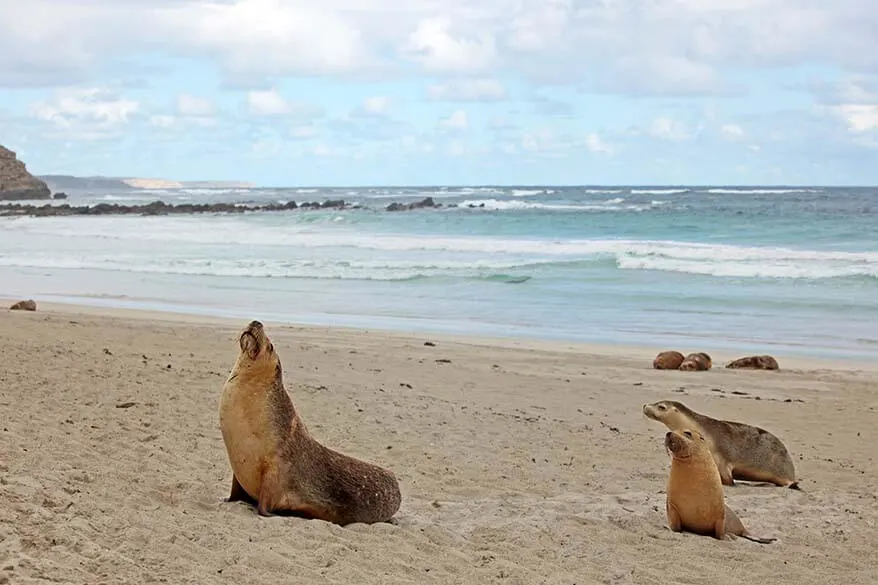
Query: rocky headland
[16, 182]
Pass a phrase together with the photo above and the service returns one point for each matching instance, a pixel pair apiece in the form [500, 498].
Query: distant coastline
[64, 182]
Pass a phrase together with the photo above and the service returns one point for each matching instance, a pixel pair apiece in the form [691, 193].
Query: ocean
[788, 271]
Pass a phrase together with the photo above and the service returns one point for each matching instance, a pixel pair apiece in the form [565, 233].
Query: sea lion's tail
[795, 486]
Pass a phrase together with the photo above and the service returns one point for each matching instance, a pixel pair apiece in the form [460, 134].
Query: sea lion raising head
[275, 461]
[696, 362]
[695, 501]
[741, 451]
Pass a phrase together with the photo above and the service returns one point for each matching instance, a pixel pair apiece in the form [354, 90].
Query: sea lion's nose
[668, 435]
[255, 325]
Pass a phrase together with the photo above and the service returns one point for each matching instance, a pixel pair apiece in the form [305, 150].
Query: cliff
[16, 182]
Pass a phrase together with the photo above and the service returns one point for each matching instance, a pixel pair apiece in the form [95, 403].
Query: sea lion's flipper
[270, 491]
[674, 522]
[726, 474]
[720, 528]
[238, 494]
[795, 486]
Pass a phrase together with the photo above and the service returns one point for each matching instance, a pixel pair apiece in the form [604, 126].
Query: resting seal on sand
[695, 501]
[696, 361]
[754, 362]
[668, 360]
[741, 451]
[28, 305]
[275, 461]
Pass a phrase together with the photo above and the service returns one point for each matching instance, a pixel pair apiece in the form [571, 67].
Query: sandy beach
[519, 462]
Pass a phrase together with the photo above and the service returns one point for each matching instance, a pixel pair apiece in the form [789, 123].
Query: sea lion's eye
[662, 407]
[688, 434]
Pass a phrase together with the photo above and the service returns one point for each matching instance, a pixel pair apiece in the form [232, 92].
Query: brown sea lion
[28, 305]
[755, 362]
[696, 362]
[695, 501]
[668, 360]
[275, 461]
[741, 451]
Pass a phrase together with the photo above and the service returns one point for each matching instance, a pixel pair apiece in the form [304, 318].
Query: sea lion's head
[696, 362]
[256, 347]
[681, 445]
[670, 412]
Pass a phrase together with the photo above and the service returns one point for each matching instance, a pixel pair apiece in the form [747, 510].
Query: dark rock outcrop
[423, 203]
[157, 208]
[16, 182]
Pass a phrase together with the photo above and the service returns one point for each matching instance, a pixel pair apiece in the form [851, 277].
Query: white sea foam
[505, 204]
[658, 191]
[157, 243]
[762, 191]
[603, 191]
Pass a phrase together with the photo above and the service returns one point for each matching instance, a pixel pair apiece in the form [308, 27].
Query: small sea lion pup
[741, 451]
[668, 360]
[695, 501]
[696, 362]
[754, 362]
[275, 462]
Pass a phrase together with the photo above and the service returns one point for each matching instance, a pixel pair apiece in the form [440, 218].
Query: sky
[429, 92]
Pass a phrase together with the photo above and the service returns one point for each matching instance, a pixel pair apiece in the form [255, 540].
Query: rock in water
[16, 182]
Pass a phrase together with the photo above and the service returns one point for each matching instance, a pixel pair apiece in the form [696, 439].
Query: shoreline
[635, 353]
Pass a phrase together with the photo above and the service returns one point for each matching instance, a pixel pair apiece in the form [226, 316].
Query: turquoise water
[789, 271]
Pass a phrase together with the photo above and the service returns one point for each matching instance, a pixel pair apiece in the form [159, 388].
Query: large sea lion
[741, 451]
[668, 360]
[754, 362]
[275, 462]
[696, 362]
[28, 305]
[695, 501]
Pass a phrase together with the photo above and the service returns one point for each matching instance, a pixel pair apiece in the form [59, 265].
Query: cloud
[858, 117]
[268, 37]
[731, 131]
[467, 90]
[190, 105]
[456, 121]
[87, 114]
[437, 49]
[373, 107]
[271, 103]
[665, 128]
[639, 47]
[593, 143]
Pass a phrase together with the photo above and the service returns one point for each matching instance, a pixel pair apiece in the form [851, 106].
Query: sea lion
[741, 451]
[695, 501]
[696, 361]
[754, 362]
[28, 305]
[275, 461]
[668, 360]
